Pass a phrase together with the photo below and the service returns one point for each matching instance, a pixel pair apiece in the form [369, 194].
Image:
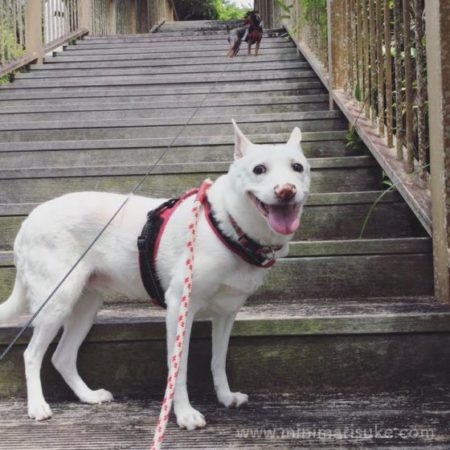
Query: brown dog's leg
[257, 48]
[249, 49]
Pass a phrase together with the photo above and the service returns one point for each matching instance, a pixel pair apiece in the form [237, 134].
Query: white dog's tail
[16, 303]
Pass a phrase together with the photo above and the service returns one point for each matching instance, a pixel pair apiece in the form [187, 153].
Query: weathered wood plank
[166, 80]
[186, 166]
[181, 118]
[53, 63]
[138, 104]
[146, 156]
[144, 112]
[276, 421]
[331, 277]
[35, 190]
[146, 131]
[236, 89]
[349, 361]
[60, 70]
[186, 141]
[360, 247]
[335, 221]
[331, 248]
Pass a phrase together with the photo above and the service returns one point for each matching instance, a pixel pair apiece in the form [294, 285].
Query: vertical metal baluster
[373, 72]
[366, 60]
[380, 68]
[399, 97]
[409, 162]
[2, 27]
[422, 137]
[348, 28]
[360, 58]
[388, 72]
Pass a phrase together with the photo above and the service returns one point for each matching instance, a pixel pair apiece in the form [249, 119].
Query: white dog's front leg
[222, 326]
[187, 416]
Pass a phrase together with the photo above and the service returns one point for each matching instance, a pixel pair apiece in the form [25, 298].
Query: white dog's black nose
[285, 192]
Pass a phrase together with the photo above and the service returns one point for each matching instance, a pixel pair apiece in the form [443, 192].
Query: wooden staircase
[339, 318]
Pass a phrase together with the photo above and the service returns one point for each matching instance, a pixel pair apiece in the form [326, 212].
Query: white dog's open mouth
[282, 218]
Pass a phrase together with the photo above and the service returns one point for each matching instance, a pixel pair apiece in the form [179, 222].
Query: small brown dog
[251, 32]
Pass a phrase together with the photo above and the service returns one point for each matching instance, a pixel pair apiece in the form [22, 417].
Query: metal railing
[379, 60]
[385, 64]
[31, 28]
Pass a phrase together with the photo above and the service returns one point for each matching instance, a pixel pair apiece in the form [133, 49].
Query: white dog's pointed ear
[296, 136]
[241, 142]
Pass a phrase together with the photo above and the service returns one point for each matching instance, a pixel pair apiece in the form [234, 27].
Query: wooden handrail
[40, 26]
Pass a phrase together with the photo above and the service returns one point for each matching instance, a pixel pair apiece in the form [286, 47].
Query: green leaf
[283, 6]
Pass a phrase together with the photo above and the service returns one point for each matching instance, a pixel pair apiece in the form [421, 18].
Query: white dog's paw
[39, 411]
[232, 399]
[190, 418]
[99, 396]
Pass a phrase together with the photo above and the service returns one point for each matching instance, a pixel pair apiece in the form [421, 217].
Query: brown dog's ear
[241, 142]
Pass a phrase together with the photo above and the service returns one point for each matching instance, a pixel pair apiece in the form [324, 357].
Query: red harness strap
[157, 219]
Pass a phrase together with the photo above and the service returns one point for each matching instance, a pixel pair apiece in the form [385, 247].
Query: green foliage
[314, 13]
[228, 11]
[209, 10]
[197, 9]
[10, 48]
[353, 141]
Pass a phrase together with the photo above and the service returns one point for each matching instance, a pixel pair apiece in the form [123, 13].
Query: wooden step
[409, 418]
[324, 137]
[167, 80]
[327, 217]
[124, 112]
[330, 118]
[152, 70]
[307, 346]
[134, 152]
[172, 54]
[321, 269]
[9, 113]
[53, 63]
[169, 180]
[171, 127]
[161, 46]
[401, 419]
[219, 90]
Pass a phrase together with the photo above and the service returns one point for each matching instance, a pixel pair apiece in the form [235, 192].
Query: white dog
[262, 196]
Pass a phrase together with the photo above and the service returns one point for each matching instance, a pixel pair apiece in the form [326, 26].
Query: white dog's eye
[298, 167]
[259, 169]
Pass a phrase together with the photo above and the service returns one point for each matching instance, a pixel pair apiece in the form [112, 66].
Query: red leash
[174, 366]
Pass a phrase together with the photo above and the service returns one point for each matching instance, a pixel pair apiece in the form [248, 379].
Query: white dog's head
[274, 179]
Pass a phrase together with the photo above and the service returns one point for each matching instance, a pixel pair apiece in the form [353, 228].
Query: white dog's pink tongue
[283, 219]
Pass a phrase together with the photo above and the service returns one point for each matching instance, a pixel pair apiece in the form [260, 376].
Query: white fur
[57, 232]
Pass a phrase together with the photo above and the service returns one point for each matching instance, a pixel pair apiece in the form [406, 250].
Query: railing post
[438, 58]
[336, 45]
[33, 30]
[84, 20]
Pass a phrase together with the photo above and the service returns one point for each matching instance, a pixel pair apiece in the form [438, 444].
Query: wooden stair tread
[269, 421]
[131, 321]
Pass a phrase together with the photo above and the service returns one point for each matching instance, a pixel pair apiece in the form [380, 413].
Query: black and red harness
[150, 238]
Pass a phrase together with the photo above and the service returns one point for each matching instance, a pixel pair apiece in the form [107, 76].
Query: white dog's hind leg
[76, 327]
[221, 331]
[187, 416]
[40, 281]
